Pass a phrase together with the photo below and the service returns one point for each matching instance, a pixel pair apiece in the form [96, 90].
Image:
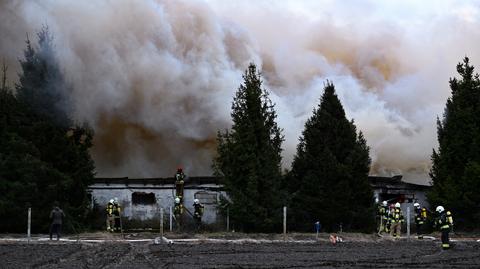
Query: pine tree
[329, 177]
[43, 156]
[455, 171]
[249, 158]
[42, 86]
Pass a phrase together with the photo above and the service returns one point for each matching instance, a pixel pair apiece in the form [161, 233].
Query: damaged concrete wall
[164, 197]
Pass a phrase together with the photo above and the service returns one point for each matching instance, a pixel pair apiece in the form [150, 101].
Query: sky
[156, 78]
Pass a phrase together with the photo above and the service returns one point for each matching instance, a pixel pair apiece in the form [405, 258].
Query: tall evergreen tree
[329, 176]
[249, 158]
[455, 171]
[43, 156]
[42, 85]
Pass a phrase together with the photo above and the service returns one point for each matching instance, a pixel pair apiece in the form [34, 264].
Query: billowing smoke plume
[156, 78]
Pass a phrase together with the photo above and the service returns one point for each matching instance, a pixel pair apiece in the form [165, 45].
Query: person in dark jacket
[56, 215]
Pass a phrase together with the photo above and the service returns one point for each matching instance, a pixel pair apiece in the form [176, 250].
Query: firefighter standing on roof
[179, 182]
[444, 222]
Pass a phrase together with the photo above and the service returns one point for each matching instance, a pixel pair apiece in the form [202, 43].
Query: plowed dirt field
[378, 254]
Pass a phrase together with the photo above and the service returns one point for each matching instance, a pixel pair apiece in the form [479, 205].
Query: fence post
[284, 223]
[29, 223]
[171, 219]
[161, 224]
[408, 222]
[228, 219]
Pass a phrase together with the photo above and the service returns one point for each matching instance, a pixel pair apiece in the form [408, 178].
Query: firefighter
[179, 182]
[397, 220]
[389, 214]
[383, 215]
[110, 216]
[198, 212]
[178, 208]
[116, 214]
[444, 222]
[420, 219]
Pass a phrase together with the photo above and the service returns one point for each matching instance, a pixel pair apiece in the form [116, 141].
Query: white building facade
[141, 199]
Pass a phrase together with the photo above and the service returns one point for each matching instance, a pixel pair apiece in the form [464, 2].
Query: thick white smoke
[156, 78]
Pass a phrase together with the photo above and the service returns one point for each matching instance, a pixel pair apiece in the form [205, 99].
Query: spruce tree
[42, 85]
[329, 176]
[43, 156]
[455, 171]
[249, 158]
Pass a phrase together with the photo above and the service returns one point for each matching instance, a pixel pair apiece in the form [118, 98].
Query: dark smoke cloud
[156, 78]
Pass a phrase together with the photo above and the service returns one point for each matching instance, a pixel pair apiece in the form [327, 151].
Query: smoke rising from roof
[156, 78]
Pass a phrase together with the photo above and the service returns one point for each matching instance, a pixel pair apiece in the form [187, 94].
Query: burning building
[142, 198]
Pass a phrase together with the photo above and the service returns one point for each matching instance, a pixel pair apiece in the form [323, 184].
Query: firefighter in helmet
[198, 212]
[444, 222]
[117, 210]
[383, 216]
[420, 219]
[179, 182]
[397, 220]
[110, 216]
[178, 208]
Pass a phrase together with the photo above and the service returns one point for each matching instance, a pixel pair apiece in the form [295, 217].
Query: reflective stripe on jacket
[109, 209]
[397, 215]
[445, 221]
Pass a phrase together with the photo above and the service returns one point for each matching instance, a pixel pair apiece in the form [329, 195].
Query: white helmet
[417, 205]
[111, 201]
[384, 203]
[440, 209]
[397, 205]
[177, 200]
[195, 201]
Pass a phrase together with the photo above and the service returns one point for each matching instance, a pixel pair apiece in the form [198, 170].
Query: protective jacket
[445, 221]
[116, 209]
[383, 212]
[198, 210]
[178, 209]
[179, 181]
[420, 215]
[396, 215]
[109, 209]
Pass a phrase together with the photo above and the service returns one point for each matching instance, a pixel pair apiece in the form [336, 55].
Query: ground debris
[351, 254]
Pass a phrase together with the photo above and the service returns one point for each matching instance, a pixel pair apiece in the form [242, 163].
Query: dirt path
[379, 254]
